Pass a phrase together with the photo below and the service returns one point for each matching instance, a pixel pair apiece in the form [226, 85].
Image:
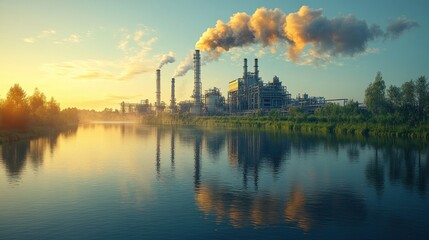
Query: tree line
[406, 104]
[19, 111]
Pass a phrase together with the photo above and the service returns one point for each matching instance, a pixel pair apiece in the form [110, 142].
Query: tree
[15, 108]
[375, 98]
[351, 108]
[422, 95]
[53, 107]
[52, 112]
[330, 109]
[408, 107]
[394, 98]
[37, 104]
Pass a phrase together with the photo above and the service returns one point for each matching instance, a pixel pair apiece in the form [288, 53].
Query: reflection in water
[172, 149]
[14, 155]
[262, 209]
[250, 150]
[374, 172]
[295, 210]
[309, 183]
[400, 165]
[197, 161]
[160, 134]
[214, 143]
[158, 153]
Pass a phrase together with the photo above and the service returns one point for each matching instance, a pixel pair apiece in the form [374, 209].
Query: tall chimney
[158, 88]
[245, 69]
[256, 70]
[173, 97]
[197, 82]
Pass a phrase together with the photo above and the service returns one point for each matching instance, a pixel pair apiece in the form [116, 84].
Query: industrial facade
[246, 95]
[249, 93]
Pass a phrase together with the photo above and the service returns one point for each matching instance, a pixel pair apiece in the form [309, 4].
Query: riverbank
[11, 135]
[284, 124]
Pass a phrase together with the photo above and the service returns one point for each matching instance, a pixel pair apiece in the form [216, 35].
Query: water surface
[116, 181]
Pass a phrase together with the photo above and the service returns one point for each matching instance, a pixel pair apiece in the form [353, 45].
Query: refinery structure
[247, 94]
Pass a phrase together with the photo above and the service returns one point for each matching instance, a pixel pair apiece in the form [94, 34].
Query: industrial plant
[247, 94]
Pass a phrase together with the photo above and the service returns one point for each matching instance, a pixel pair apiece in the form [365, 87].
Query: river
[131, 181]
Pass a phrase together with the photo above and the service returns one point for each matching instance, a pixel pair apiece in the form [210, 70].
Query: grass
[304, 125]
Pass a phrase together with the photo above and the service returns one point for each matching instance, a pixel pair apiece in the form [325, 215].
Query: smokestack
[197, 81]
[245, 69]
[256, 70]
[173, 97]
[158, 88]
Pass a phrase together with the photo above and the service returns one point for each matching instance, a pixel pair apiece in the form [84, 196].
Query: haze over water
[132, 181]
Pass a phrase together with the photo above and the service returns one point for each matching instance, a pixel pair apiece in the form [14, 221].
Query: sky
[96, 54]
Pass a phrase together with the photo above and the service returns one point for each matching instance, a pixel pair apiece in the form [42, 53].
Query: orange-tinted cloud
[306, 32]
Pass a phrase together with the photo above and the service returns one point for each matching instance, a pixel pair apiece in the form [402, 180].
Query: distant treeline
[21, 112]
[398, 111]
[108, 114]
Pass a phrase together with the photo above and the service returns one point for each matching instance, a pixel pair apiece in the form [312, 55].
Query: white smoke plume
[184, 66]
[166, 58]
[306, 30]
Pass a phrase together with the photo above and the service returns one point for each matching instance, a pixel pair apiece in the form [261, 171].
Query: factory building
[185, 106]
[249, 94]
[144, 107]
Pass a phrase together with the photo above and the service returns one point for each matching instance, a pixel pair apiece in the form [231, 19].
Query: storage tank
[211, 102]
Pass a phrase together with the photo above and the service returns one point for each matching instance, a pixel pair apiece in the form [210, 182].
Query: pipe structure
[245, 69]
[256, 70]
[158, 88]
[197, 81]
[173, 96]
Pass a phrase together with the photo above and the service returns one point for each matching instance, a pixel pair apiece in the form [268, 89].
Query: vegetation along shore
[23, 117]
[396, 112]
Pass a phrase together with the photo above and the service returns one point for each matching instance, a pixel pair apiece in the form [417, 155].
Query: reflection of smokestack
[158, 153]
[158, 87]
[245, 69]
[197, 163]
[197, 82]
[172, 149]
[256, 70]
[173, 97]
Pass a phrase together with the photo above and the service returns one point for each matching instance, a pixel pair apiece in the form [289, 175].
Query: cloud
[123, 69]
[138, 35]
[45, 34]
[52, 35]
[28, 40]
[136, 60]
[124, 42]
[304, 33]
[72, 38]
[399, 26]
